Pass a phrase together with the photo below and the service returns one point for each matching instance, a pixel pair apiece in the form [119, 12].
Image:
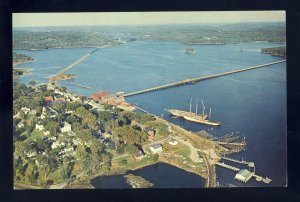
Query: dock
[194, 80]
[237, 161]
[250, 174]
[231, 143]
[228, 166]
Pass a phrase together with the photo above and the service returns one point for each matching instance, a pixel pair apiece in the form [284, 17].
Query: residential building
[139, 155]
[99, 96]
[173, 141]
[156, 148]
[39, 127]
[66, 128]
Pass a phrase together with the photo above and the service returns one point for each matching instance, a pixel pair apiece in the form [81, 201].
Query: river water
[162, 175]
[252, 103]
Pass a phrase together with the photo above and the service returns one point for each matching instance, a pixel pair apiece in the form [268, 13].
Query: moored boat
[194, 117]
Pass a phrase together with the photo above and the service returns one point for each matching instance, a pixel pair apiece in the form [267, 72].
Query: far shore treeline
[75, 37]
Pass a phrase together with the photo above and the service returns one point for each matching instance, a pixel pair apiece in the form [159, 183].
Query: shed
[173, 141]
[243, 175]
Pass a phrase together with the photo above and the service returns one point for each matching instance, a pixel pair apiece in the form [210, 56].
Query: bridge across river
[193, 80]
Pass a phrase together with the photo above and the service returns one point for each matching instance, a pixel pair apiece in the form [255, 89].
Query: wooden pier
[193, 80]
[228, 166]
[232, 143]
[237, 161]
[250, 164]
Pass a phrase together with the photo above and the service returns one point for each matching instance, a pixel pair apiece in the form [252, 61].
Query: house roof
[156, 146]
[172, 140]
[99, 95]
[244, 173]
[48, 98]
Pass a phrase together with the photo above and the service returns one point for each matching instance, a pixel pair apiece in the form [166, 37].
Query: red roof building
[99, 96]
[48, 99]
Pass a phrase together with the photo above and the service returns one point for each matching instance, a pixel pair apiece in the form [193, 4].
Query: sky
[143, 18]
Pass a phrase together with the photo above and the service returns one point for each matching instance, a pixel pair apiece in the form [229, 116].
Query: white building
[20, 124]
[25, 110]
[66, 128]
[173, 141]
[57, 144]
[46, 132]
[77, 141]
[39, 127]
[30, 154]
[156, 148]
[243, 175]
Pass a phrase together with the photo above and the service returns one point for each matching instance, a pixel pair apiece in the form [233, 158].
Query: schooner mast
[203, 107]
[191, 105]
[197, 106]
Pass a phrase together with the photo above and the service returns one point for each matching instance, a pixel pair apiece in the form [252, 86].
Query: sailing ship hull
[202, 121]
[192, 117]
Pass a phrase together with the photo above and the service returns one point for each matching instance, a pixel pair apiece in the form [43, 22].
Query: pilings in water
[74, 84]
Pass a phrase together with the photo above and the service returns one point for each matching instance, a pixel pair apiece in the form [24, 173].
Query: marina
[243, 175]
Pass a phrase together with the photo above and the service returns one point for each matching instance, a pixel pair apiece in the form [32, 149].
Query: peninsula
[62, 139]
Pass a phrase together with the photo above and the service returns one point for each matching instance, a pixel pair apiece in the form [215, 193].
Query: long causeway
[193, 80]
[53, 78]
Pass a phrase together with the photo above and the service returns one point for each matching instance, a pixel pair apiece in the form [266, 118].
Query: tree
[63, 89]
[59, 106]
[123, 162]
[72, 105]
[49, 163]
[32, 83]
[121, 149]
[43, 88]
[33, 176]
[67, 168]
[111, 146]
[105, 116]
[131, 149]
[155, 157]
[52, 127]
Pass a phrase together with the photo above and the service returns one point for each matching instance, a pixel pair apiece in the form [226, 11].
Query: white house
[39, 127]
[173, 141]
[33, 112]
[77, 141]
[156, 148]
[30, 154]
[66, 150]
[20, 124]
[71, 133]
[57, 144]
[46, 132]
[25, 110]
[66, 128]
[52, 138]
